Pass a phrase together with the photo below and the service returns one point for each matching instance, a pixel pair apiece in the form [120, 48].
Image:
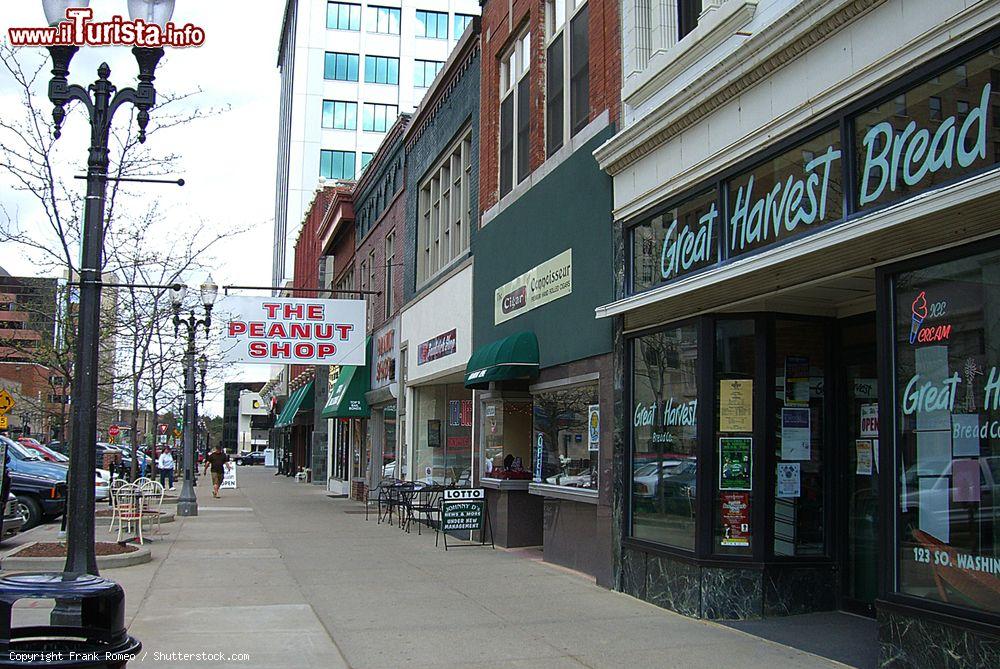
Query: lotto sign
[269, 330]
[463, 509]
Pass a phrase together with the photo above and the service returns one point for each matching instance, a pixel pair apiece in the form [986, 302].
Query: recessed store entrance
[829, 329]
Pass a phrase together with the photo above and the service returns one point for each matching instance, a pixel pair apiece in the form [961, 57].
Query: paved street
[292, 578]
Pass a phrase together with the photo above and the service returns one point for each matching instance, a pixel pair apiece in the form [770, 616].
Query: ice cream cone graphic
[919, 308]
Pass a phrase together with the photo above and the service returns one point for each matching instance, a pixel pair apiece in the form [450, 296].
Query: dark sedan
[252, 458]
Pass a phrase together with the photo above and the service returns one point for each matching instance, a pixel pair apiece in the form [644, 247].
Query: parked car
[58, 447]
[13, 521]
[252, 458]
[47, 454]
[646, 477]
[38, 498]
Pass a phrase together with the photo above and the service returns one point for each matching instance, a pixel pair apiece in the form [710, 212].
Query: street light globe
[209, 291]
[177, 294]
[151, 11]
[55, 10]
[202, 363]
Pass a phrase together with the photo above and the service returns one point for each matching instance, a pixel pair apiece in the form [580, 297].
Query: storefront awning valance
[347, 397]
[513, 357]
[301, 399]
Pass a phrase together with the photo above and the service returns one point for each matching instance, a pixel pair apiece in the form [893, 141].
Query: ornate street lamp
[101, 100]
[187, 503]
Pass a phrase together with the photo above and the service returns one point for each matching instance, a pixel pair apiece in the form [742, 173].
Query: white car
[646, 477]
[102, 484]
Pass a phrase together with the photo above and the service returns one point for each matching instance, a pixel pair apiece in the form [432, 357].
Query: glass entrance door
[859, 435]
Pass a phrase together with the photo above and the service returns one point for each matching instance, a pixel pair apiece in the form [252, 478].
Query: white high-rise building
[347, 70]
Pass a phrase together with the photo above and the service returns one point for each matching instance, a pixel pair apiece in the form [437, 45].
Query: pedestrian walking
[218, 462]
[165, 465]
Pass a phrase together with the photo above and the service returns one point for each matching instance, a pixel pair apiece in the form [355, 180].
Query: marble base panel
[910, 642]
[726, 593]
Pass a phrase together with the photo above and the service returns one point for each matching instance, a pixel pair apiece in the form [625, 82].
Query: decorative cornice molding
[799, 30]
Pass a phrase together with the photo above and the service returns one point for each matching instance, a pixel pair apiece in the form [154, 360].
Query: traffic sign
[3, 422]
[114, 431]
[6, 402]
[163, 428]
[177, 433]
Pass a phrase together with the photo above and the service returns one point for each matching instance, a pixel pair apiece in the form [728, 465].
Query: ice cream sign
[932, 332]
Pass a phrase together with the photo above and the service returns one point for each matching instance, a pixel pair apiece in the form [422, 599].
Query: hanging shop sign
[735, 463]
[931, 134]
[271, 330]
[735, 518]
[385, 354]
[538, 286]
[439, 347]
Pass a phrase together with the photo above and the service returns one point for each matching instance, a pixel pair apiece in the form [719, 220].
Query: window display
[443, 422]
[506, 440]
[735, 362]
[947, 413]
[564, 453]
[665, 436]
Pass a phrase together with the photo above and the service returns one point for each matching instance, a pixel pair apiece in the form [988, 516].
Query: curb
[11, 561]
[165, 517]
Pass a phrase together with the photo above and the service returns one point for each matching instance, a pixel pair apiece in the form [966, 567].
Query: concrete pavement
[277, 574]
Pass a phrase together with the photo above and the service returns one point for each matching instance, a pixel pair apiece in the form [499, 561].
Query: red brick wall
[497, 37]
[394, 218]
[307, 253]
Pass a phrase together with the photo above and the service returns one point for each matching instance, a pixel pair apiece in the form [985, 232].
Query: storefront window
[799, 444]
[678, 241]
[565, 450]
[506, 440]
[665, 436]
[929, 135]
[390, 468]
[735, 366]
[443, 420]
[788, 196]
[947, 406]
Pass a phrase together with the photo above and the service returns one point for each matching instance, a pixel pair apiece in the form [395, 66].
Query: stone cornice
[800, 29]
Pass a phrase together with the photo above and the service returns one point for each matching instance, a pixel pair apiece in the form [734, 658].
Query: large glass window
[444, 210]
[665, 436]
[930, 135]
[383, 20]
[381, 70]
[443, 422]
[340, 66]
[343, 16]
[378, 118]
[565, 451]
[677, 241]
[799, 437]
[432, 24]
[733, 381]
[567, 67]
[424, 72]
[506, 440]
[947, 412]
[514, 118]
[460, 23]
[336, 164]
[340, 115]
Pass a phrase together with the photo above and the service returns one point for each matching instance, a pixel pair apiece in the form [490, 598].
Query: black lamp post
[187, 503]
[101, 100]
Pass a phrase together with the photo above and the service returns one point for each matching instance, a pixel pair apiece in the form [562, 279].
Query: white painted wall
[448, 306]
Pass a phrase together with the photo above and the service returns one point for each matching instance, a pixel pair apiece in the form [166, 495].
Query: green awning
[347, 397]
[513, 357]
[303, 398]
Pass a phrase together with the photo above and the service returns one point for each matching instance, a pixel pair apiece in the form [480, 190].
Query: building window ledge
[503, 484]
[665, 65]
[582, 495]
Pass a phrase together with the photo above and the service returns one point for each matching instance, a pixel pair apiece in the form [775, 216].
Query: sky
[227, 158]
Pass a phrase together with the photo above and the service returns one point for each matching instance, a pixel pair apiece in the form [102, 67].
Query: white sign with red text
[286, 330]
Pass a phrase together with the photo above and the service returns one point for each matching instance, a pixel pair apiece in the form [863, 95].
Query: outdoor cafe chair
[116, 485]
[129, 503]
[152, 500]
[426, 507]
[377, 496]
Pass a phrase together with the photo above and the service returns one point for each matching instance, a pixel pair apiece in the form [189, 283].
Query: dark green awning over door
[301, 399]
[511, 358]
[347, 397]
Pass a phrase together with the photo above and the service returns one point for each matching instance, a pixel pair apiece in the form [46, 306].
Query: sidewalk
[293, 578]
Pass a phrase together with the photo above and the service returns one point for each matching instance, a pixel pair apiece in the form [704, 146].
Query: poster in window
[869, 421]
[796, 380]
[466, 413]
[865, 456]
[789, 480]
[795, 433]
[735, 518]
[736, 405]
[735, 463]
[593, 427]
[434, 433]
[454, 413]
